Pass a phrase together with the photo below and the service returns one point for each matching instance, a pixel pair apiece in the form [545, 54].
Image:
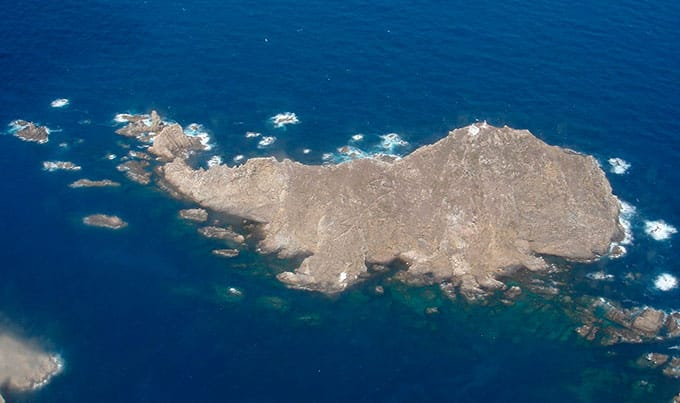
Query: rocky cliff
[466, 209]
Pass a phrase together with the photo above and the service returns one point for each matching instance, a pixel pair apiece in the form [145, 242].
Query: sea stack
[467, 209]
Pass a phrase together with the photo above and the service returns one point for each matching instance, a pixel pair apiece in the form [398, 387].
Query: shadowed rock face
[479, 201]
[24, 366]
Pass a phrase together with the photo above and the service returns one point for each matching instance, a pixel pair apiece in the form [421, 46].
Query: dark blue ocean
[143, 315]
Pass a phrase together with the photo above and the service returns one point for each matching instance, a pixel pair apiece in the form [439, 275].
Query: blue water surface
[141, 314]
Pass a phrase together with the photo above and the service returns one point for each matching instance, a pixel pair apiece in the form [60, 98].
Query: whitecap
[358, 137]
[250, 135]
[111, 156]
[266, 141]
[238, 158]
[659, 229]
[59, 103]
[214, 161]
[283, 119]
[391, 141]
[197, 130]
[618, 166]
[665, 282]
[327, 156]
[306, 151]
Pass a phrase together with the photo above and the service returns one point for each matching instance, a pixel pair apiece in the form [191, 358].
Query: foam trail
[665, 282]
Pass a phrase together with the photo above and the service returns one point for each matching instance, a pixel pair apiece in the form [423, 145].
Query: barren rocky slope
[467, 208]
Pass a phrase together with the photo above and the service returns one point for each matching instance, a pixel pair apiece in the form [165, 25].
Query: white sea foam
[626, 215]
[391, 141]
[358, 137]
[59, 103]
[659, 229]
[266, 141]
[618, 166]
[665, 282]
[16, 125]
[600, 275]
[214, 161]
[239, 158]
[250, 135]
[111, 156]
[60, 166]
[327, 156]
[283, 119]
[306, 151]
[197, 130]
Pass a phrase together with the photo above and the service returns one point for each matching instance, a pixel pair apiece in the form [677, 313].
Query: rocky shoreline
[24, 366]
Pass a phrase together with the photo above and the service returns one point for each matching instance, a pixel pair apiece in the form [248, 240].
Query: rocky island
[468, 209]
[24, 366]
[104, 221]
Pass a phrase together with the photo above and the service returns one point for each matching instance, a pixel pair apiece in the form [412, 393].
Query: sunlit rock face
[465, 209]
[24, 366]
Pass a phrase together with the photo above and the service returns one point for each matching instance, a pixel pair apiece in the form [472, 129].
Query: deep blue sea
[140, 315]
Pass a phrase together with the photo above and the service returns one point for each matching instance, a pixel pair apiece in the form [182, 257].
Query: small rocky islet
[467, 213]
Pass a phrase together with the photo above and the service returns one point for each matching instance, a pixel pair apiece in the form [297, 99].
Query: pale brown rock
[476, 202]
[136, 171]
[24, 366]
[104, 221]
[171, 143]
[228, 253]
[652, 360]
[649, 321]
[225, 234]
[672, 370]
[29, 131]
[194, 214]
[141, 126]
[89, 183]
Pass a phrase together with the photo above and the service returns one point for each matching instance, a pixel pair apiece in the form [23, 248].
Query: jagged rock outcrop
[465, 209]
[24, 366]
[171, 142]
[141, 126]
[29, 131]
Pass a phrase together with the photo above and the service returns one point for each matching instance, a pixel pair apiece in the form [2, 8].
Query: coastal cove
[167, 193]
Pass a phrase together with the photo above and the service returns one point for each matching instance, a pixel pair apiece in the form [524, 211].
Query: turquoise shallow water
[141, 314]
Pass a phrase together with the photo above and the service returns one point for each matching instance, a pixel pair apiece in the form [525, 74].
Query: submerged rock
[24, 366]
[466, 207]
[105, 221]
[89, 183]
[194, 214]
